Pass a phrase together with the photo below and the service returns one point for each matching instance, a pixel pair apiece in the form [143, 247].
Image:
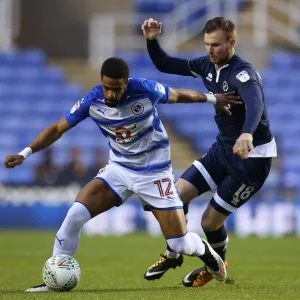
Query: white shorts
[156, 190]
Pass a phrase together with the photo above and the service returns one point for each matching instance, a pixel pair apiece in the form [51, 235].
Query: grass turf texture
[113, 268]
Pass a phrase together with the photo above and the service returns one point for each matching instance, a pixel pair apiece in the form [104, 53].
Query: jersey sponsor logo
[137, 108]
[209, 77]
[123, 133]
[75, 107]
[160, 88]
[225, 86]
[243, 76]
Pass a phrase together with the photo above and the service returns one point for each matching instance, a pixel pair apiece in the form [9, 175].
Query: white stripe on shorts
[206, 175]
[224, 204]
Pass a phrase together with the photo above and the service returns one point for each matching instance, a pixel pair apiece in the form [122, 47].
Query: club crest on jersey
[225, 86]
[137, 108]
[209, 77]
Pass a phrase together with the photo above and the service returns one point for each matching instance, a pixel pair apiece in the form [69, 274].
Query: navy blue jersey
[236, 75]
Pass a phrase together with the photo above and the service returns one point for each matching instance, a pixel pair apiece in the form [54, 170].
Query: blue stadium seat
[149, 6]
[291, 163]
[8, 140]
[289, 144]
[27, 57]
[282, 60]
[17, 176]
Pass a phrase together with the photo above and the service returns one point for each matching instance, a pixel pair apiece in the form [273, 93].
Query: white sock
[172, 253]
[189, 244]
[68, 235]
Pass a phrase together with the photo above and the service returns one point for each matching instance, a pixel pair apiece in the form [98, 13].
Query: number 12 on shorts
[160, 186]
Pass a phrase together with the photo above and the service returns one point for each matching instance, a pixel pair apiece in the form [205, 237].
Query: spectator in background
[75, 171]
[99, 161]
[46, 172]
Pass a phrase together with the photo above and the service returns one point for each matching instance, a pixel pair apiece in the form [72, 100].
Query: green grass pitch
[113, 268]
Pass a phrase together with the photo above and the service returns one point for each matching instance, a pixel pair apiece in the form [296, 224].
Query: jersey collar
[219, 71]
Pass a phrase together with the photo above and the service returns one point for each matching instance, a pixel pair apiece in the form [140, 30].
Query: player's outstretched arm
[46, 138]
[162, 61]
[191, 96]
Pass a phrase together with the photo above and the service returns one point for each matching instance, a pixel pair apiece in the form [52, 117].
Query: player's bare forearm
[49, 135]
[46, 138]
[186, 96]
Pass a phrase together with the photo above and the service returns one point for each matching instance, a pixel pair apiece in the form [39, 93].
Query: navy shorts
[234, 180]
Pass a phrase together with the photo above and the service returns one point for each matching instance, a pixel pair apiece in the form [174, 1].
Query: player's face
[218, 47]
[113, 90]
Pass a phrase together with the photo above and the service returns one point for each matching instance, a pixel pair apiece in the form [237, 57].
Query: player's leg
[188, 192]
[231, 194]
[94, 199]
[98, 196]
[173, 226]
[247, 177]
[190, 185]
[202, 176]
[162, 198]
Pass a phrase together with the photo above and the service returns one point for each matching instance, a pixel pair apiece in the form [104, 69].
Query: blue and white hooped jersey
[137, 138]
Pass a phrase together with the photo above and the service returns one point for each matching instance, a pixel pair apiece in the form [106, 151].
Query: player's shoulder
[143, 85]
[239, 63]
[242, 70]
[94, 93]
[202, 61]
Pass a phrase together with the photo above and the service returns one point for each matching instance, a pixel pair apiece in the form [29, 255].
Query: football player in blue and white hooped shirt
[139, 162]
[237, 165]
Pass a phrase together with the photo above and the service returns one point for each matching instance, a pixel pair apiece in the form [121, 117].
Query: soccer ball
[61, 273]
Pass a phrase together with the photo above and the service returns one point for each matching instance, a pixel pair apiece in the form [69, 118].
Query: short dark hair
[220, 23]
[115, 68]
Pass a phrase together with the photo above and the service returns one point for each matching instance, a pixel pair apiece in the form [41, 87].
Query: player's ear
[232, 43]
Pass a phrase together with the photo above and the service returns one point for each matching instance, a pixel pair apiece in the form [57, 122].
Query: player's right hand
[151, 29]
[225, 99]
[13, 160]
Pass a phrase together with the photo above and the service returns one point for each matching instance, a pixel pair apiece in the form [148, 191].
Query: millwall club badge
[225, 86]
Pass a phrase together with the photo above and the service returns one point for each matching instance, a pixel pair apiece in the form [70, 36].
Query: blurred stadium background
[50, 55]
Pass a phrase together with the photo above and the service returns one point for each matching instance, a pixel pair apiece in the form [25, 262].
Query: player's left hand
[243, 145]
[225, 100]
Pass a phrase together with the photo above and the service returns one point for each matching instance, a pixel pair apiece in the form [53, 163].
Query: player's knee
[186, 191]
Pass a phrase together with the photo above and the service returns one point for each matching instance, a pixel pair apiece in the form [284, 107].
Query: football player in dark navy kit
[238, 163]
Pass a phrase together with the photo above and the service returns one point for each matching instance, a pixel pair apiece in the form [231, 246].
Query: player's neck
[219, 66]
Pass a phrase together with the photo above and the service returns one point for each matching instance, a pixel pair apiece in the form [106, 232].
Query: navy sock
[218, 239]
[186, 208]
